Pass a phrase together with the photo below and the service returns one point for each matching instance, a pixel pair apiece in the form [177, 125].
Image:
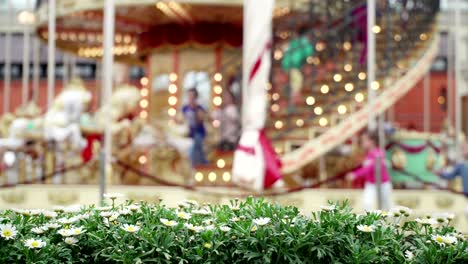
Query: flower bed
[252, 231]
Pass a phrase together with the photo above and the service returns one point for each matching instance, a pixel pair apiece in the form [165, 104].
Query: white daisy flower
[106, 214]
[52, 225]
[196, 229]
[67, 221]
[70, 240]
[130, 228]
[50, 214]
[377, 212]
[184, 215]
[400, 211]
[58, 208]
[366, 228]
[208, 221]
[17, 210]
[125, 211]
[254, 228]
[113, 196]
[210, 227]
[439, 239]
[202, 211]
[114, 216]
[261, 221]
[8, 231]
[83, 216]
[35, 212]
[328, 207]
[72, 209]
[134, 207]
[409, 255]
[77, 231]
[65, 232]
[170, 223]
[449, 240]
[426, 221]
[235, 219]
[38, 230]
[225, 228]
[34, 243]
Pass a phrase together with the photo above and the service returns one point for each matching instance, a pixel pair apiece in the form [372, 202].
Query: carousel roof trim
[68, 7]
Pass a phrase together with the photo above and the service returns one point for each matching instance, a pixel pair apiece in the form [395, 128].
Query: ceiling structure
[143, 26]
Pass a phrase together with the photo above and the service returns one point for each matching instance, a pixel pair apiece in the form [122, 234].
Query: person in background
[460, 169]
[194, 113]
[369, 142]
[229, 119]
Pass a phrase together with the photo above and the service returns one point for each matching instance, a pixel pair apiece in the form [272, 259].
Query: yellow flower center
[35, 244]
[7, 233]
[131, 229]
[439, 239]
[207, 245]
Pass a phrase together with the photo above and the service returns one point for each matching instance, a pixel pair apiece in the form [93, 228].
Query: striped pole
[7, 79]
[51, 55]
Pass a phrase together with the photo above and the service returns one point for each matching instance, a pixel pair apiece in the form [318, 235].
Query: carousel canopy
[143, 26]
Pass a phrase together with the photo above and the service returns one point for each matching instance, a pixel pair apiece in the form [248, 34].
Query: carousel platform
[42, 196]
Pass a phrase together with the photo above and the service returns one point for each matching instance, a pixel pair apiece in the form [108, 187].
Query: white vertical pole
[458, 78]
[7, 79]
[450, 87]
[370, 59]
[72, 67]
[107, 61]
[427, 103]
[373, 123]
[51, 55]
[65, 78]
[26, 61]
[36, 68]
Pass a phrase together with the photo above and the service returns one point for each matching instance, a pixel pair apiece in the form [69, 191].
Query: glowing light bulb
[337, 77]
[359, 97]
[324, 89]
[275, 107]
[172, 88]
[323, 121]
[299, 122]
[217, 100]
[310, 100]
[348, 67]
[218, 89]
[199, 176]
[226, 176]
[173, 77]
[144, 103]
[218, 77]
[142, 159]
[220, 163]
[279, 124]
[362, 76]
[212, 176]
[376, 29]
[144, 92]
[144, 81]
[318, 110]
[342, 109]
[172, 100]
[375, 85]
[349, 87]
[171, 112]
[143, 114]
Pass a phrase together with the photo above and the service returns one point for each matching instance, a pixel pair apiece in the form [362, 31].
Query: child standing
[194, 113]
[369, 142]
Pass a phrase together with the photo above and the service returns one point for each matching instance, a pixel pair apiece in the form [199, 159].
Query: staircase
[331, 106]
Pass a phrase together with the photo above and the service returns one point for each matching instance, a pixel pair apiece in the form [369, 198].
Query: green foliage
[251, 231]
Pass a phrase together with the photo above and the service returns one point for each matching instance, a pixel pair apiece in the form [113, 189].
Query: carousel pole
[51, 54]
[72, 67]
[26, 51]
[65, 61]
[458, 79]
[107, 63]
[7, 79]
[371, 61]
[450, 87]
[373, 123]
[426, 106]
[36, 70]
